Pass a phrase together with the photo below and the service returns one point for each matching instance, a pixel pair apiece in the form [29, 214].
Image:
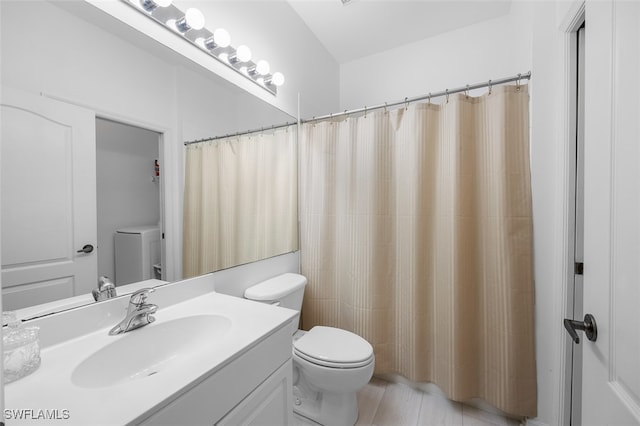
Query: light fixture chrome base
[169, 16]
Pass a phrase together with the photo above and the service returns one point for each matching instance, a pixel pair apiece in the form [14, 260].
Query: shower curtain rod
[365, 109]
[246, 132]
[446, 92]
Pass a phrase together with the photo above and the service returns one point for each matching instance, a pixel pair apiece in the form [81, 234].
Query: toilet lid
[334, 347]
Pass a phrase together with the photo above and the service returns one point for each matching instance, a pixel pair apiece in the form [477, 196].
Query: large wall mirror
[94, 116]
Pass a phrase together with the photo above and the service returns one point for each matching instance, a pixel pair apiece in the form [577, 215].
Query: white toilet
[329, 364]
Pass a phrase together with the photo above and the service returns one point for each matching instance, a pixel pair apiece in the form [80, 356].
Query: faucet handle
[103, 280]
[140, 296]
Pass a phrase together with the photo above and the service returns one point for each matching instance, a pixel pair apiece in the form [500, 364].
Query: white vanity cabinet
[269, 404]
[254, 388]
[207, 359]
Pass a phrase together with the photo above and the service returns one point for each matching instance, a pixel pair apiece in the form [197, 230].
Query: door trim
[570, 25]
[171, 159]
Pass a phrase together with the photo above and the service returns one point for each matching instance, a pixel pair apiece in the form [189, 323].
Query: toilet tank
[286, 290]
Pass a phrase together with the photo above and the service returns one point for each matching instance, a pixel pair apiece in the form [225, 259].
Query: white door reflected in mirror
[48, 200]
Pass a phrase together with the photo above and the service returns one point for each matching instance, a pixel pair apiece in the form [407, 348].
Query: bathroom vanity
[208, 358]
[255, 388]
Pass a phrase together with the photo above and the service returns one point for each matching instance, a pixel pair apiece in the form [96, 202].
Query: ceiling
[364, 27]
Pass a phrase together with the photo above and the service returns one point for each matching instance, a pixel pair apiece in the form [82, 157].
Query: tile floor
[383, 403]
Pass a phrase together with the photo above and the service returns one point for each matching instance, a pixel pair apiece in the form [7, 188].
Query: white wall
[528, 38]
[210, 108]
[126, 193]
[488, 50]
[547, 167]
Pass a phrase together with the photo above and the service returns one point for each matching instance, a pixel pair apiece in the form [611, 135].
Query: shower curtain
[416, 233]
[240, 200]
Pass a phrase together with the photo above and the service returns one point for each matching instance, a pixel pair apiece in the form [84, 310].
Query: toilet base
[325, 408]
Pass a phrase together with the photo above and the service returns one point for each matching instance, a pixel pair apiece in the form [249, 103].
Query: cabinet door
[269, 404]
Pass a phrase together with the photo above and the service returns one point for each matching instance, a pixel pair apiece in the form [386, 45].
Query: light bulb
[163, 3]
[224, 57]
[277, 79]
[262, 67]
[193, 19]
[243, 53]
[221, 37]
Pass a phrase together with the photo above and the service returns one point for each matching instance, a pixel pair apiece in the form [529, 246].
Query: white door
[48, 199]
[611, 364]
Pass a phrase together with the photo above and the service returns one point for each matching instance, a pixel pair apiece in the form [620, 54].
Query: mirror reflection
[93, 158]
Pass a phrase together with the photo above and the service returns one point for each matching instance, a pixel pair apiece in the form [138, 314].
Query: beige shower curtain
[240, 200]
[416, 233]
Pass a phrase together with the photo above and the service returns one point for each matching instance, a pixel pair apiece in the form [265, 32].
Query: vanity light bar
[191, 27]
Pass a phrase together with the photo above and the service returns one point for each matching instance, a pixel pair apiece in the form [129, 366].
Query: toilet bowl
[332, 365]
[329, 364]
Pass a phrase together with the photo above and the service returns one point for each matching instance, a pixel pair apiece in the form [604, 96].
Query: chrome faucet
[106, 289]
[139, 313]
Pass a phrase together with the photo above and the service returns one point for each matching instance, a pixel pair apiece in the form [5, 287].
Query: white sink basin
[149, 350]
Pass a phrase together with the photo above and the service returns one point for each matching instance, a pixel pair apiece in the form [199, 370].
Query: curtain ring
[490, 87]
[518, 82]
[365, 111]
[429, 98]
[466, 92]
[446, 92]
[406, 103]
[385, 108]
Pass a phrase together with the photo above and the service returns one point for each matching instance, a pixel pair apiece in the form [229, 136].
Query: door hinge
[578, 268]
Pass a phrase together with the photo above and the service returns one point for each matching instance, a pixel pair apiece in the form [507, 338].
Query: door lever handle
[88, 248]
[588, 326]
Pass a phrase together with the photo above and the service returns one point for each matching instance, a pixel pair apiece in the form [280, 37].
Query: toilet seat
[330, 364]
[334, 348]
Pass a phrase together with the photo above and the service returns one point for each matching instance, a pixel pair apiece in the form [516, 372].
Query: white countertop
[51, 387]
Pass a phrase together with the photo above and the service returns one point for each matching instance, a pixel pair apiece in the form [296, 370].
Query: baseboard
[535, 422]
